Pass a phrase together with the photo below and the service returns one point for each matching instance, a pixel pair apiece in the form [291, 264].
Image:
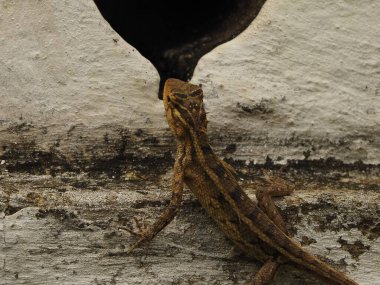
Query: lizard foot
[143, 232]
[277, 185]
[141, 228]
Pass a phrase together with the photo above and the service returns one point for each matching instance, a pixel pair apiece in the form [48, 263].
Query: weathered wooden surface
[63, 228]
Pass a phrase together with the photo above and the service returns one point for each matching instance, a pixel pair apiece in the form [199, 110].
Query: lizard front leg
[170, 212]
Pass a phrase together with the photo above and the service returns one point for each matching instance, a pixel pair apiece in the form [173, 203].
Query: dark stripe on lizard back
[219, 170]
[206, 149]
[185, 114]
[236, 195]
[257, 216]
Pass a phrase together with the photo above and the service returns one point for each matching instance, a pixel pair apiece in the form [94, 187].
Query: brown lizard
[256, 227]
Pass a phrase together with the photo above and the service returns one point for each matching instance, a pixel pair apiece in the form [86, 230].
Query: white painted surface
[60, 64]
[314, 68]
[66, 236]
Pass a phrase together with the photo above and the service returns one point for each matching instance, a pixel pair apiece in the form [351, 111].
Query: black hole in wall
[175, 34]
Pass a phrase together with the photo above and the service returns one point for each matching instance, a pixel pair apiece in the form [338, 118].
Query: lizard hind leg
[278, 187]
[266, 273]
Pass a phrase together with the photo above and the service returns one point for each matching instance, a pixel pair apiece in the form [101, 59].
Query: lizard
[254, 226]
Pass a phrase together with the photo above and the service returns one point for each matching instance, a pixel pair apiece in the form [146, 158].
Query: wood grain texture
[63, 230]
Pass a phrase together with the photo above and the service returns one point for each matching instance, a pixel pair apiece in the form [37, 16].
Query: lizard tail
[297, 254]
[322, 268]
[288, 247]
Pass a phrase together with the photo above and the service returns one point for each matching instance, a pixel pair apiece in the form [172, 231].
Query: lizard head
[184, 107]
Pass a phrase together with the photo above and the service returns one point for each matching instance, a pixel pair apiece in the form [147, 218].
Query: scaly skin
[255, 227]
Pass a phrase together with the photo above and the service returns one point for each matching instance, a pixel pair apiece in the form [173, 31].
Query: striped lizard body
[255, 227]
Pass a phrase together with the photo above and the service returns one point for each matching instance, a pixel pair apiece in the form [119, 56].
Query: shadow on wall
[174, 37]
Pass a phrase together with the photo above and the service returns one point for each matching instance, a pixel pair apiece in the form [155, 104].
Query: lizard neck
[200, 138]
[186, 140]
